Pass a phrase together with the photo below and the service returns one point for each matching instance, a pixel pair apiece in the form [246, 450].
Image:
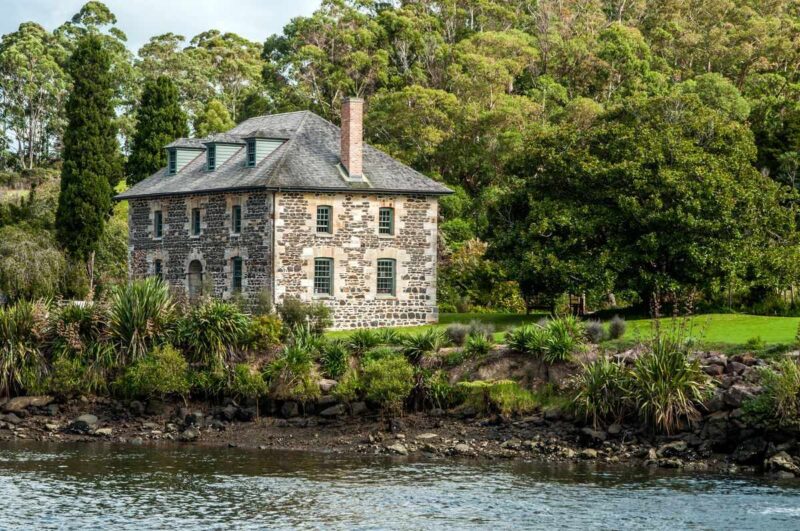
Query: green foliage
[293, 374]
[164, 371]
[212, 332]
[246, 382]
[92, 162]
[390, 336]
[378, 353]
[665, 386]
[600, 392]
[335, 359]
[617, 327]
[595, 332]
[364, 339]
[71, 376]
[214, 119]
[265, 332]
[457, 333]
[478, 345]
[388, 382]
[778, 404]
[160, 120]
[31, 265]
[141, 316]
[74, 328]
[553, 342]
[417, 346]
[350, 387]
[295, 312]
[440, 393]
[22, 364]
[503, 396]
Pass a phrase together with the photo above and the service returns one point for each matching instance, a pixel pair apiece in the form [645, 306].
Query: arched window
[195, 279]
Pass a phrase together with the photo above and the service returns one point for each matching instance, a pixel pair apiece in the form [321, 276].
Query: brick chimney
[352, 137]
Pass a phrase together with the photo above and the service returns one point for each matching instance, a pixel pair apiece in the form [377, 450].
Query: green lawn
[718, 329]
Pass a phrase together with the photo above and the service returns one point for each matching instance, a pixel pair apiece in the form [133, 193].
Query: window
[237, 275]
[324, 219]
[158, 225]
[236, 219]
[211, 157]
[386, 276]
[195, 279]
[323, 276]
[158, 269]
[172, 161]
[195, 222]
[251, 152]
[386, 221]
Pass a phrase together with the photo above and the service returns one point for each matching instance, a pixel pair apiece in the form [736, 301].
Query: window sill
[322, 296]
[385, 297]
[325, 234]
[195, 236]
[158, 239]
[386, 236]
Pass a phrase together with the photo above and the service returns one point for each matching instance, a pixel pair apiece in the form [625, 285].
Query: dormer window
[211, 157]
[251, 152]
[172, 157]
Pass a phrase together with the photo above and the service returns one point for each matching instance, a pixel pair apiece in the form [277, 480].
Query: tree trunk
[90, 272]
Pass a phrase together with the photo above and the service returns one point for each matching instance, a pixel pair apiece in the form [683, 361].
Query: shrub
[503, 396]
[292, 374]
[563, 338]
[595, 332]
[617, 327]
[599, 391]
[31, 263]
[440, 392]
[212, 331]
[419, 345]
[295, 312]
[22, 365]
[71, 376]
[479, 328]
[265, 332]
[478, 345]
[164, 371]
[335, 359]
[390, 336]
[246, 382]
[779, 400]
[388, 382]
[210, 383]
[666, 386]
[378, 353]
[363, 339]
[349, 388]
[755, 344]
[457, 333]
[76, 327]
[141, 315]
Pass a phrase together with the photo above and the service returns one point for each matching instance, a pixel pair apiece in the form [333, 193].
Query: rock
[427, 436]
[334, 411]
[736, 395]
[750, 452]
[396, 426]
[327, 385]
[136, 408]
[781, 462]
[552, 414]
[11, 418]
[20, 403]
[672, 449]
[614, 429]
[716, 402]
[462, 449]
[51, 427]
[397, 448]
[436, 412]
[327, 401]
[246, 414]
[103, 432]
[155, 407]
[358, 408]
[588, 453]
[735, 367]
[512, 444]
[594, 435]
[290, 409]
[714, 370]
[136, 441]
[52, 410]
[228, 413]
[150, 426]
[83, 424]
[672, 462]
[218, 425]
[189, 435]
[195, 418]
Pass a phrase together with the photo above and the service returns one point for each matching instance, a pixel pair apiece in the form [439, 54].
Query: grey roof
[308, 160]
[191, 143]
[223, 138]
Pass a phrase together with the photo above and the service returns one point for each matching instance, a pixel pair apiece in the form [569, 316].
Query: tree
[213, 119]
[92, 163]
[160, 120]
[31, 265]
[33, 87]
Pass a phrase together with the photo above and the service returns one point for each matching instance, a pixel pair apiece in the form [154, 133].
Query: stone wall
[214, 248]
[355, 247]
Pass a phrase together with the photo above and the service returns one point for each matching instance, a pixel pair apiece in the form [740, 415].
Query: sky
[142, 19]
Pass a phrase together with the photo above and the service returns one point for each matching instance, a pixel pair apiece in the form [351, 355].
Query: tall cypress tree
[160, 121]
[92, 162]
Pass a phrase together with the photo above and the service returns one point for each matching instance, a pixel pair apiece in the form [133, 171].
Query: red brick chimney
[352, 136]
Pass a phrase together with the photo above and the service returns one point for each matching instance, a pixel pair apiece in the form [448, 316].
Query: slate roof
[308, 160]
[223, 138]
[192, 143]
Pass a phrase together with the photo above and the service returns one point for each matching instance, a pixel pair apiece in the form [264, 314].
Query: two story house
[289, 205]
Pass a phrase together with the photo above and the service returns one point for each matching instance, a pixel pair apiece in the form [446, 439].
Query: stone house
[289, 205]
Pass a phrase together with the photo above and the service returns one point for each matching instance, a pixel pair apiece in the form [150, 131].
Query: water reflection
[99, 486]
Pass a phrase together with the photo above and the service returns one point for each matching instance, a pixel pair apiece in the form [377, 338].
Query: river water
[104, 486]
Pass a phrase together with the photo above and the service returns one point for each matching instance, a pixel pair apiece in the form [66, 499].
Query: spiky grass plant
[478, 345]
[141, 315]
[364, 339]
[779, 401]
[600, 391]
[417, 346]
[22, 364]
[212, 332]
[335, 359]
